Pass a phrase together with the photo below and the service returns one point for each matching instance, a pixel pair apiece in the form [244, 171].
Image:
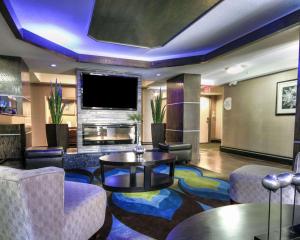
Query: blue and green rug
[152, 215]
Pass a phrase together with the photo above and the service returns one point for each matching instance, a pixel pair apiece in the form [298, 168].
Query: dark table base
[290, 233]
[125, 183]
[141, 177]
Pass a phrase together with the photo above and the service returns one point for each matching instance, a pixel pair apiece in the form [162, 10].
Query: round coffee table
[135, 181]
[234, 222]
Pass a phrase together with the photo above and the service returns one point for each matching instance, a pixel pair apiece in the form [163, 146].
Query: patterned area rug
[152, 215]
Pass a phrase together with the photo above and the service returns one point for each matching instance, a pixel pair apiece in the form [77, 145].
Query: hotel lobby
[149, 120]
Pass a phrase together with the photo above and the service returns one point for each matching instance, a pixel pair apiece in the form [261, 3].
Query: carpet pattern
[152, 215]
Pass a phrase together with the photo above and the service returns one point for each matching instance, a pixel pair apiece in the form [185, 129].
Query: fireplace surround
[108, 134]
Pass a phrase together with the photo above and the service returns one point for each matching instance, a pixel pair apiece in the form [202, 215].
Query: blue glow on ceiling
[66, 23]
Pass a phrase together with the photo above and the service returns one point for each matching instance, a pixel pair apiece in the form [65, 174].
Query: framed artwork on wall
[70, 107]
[286, 95]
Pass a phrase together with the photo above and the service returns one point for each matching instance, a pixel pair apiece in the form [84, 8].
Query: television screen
[109, 92]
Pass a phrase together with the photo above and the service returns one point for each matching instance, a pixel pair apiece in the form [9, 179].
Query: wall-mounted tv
[109, 92]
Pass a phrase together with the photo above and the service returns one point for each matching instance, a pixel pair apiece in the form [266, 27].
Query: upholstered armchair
[39, 205]
[246, 186]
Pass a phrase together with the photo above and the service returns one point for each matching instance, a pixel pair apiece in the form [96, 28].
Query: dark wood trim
[285, 22]
[258, 155]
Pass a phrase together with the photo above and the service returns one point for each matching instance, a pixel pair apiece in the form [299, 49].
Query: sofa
[38, 157]
[40, 205]
[182, 151]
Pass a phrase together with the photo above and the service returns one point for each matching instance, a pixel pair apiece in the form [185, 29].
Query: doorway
[211, 108]
[204, 120]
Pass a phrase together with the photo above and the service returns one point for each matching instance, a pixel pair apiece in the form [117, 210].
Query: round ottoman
[246, 187]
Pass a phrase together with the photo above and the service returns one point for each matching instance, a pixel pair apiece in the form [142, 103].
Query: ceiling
[274, 53]
[67, 23]
[144, 23]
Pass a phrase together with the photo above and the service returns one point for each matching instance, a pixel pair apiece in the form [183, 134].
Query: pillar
[183, 111]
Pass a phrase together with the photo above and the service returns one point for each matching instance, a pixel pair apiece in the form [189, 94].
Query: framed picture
[70, 108]
[286, 97]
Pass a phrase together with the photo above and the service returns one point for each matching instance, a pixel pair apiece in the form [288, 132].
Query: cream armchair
[39, 205]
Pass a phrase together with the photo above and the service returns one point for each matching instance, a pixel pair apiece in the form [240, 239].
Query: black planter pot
[158, 132]
[57, 135]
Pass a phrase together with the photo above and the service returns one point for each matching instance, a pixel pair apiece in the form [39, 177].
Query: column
[183, 111]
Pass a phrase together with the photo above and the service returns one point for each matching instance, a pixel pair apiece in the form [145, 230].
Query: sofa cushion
[85, 206]
[175, 146]
[40, 152]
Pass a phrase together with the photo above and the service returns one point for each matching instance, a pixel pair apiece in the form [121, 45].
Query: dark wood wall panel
[175, 98]
[175, 91]
[175, 116]
[174, 136]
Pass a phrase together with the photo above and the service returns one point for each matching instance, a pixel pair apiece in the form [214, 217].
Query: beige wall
[40, 112]
[252, 124]
[219, 117]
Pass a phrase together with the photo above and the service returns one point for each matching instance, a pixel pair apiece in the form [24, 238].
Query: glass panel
[109, 134]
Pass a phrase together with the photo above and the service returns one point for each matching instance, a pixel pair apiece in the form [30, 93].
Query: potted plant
[158, 128]
[57, 133]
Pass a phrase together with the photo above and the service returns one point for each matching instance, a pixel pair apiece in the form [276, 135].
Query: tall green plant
[55, 104]
[158, 111]
[136, 117]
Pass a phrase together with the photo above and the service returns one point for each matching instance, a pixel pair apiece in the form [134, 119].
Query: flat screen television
[109, 92]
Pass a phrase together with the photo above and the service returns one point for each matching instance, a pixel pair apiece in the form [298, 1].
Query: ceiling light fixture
[157, 74]
[53, 65]
[235, 69]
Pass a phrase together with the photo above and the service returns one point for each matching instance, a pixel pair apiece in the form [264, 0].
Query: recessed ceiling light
[157, 74]
[235, 69]
[53, 65]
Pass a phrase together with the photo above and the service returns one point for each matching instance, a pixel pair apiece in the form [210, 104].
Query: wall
[102, 117]
[14, 81]
[219, 117]
[252, 124]
[40, 112]
[10, 75]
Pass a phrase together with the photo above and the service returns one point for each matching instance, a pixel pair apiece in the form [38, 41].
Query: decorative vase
[158, 131]
[57, 135]
[139, 149]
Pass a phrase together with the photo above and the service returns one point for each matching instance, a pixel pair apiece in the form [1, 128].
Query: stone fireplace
[102, 131]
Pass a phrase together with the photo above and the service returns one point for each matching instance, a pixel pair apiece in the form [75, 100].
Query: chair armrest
[39, 194]
[296, 165]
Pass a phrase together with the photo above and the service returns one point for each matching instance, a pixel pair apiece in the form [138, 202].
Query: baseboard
[215, 140]
[259, 155]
